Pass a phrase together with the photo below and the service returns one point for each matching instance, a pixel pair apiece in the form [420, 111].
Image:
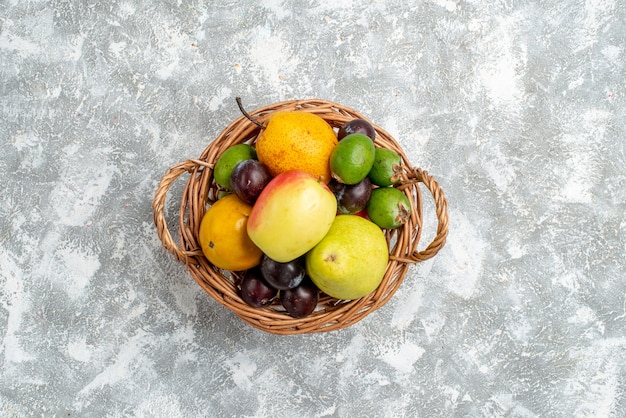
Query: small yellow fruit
[224, 238]
[297, 140]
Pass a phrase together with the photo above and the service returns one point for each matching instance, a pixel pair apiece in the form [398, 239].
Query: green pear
[351, 260]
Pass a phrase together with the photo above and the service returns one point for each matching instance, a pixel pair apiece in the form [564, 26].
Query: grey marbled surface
[517, 108]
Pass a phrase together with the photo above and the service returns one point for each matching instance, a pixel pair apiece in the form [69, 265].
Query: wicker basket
[331, 314]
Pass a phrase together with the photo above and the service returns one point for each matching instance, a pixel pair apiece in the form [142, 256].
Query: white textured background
[517, 108]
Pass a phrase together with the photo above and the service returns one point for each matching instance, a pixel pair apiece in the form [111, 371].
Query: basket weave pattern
[331, 314]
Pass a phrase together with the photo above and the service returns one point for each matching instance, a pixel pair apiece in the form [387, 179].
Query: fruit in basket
[283, 276]
[350, 262]
[387, 168]
[352, 159]
[292, 214]
[358, 125]
[223, 235]
[301, 300]
[297, 140]
[388, 207]
[255, 291]
[228, 160]
[351, 198]
[248, 179]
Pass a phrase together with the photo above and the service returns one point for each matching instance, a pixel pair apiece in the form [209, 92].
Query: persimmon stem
[246, 114]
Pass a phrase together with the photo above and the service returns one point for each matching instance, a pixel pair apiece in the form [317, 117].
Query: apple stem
[246, 114]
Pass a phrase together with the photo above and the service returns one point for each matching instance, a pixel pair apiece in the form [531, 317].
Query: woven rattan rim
[331, 314]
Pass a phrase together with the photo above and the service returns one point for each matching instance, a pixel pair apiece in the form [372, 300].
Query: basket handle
[188, 166]
[158, 207]
[441, 209]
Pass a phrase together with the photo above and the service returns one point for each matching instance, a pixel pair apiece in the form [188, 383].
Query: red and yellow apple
[291, 215]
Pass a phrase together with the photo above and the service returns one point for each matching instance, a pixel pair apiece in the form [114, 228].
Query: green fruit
[388, 207]
[351, 260]
[228, 160]
[386, 168]
[352, 158]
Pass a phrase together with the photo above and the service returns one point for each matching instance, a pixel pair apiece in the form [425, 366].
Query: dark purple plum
[255, 291]
[248, 179]
[351, 198]
[283, 276]
[360, 126]
[301, 300]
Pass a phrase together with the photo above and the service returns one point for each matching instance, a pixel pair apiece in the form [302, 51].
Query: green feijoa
[228, 160]
[388, 207]
[386, 168]
[352, 158]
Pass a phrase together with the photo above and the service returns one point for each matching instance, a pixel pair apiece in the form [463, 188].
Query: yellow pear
[297, 140]
[351, 260]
